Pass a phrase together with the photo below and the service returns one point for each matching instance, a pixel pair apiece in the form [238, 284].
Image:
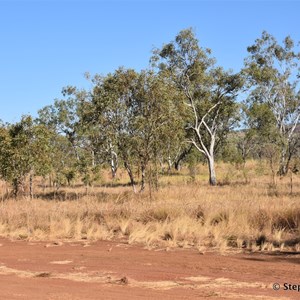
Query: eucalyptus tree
[209, 92]
[182, 154]
[272, 71]
[174, 148]
[63, 117]
[156, 125]
[71, 149]
[109, 116]
[24, 150]
[135, 116]
[246, 140]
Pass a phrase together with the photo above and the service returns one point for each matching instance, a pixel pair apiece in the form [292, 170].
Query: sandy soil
[115, 270]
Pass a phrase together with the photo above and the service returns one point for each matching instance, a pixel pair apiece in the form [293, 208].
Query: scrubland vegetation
[164, 157]
[185, 212]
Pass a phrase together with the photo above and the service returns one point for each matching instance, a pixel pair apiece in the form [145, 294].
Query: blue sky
[46, 45]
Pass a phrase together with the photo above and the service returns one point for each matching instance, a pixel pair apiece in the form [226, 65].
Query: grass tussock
[181, 214]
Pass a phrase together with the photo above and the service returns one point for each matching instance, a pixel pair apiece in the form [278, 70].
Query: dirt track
[112, 270]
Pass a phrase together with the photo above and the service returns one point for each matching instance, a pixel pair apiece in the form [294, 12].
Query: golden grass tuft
[235, 214]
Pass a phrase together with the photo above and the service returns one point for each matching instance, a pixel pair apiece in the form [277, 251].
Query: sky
[46, 45]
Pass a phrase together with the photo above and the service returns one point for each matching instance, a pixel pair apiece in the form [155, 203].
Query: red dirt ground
[115, 270]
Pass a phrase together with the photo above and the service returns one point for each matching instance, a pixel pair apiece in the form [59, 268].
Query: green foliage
[183, 107]
[272, 73]
[24, 149]
[90, 174]
[207, 90]
[137, 117]
[230, 153]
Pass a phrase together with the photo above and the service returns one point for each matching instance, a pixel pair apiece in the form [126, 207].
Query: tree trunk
[285, 162]
[169, 165]
[50, 181]
[113, 164]
[282, 169]
[212, 172]
[182, 156]
[31, 185]
[143, 170]
[282, 166]
[177, 165]
[18, 187]
[15, 184]
[131, 177]
[93, 158]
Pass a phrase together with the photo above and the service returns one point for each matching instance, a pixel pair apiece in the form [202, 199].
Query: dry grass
[182, 213]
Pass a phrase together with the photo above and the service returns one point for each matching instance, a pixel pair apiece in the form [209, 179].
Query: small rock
[123, 280]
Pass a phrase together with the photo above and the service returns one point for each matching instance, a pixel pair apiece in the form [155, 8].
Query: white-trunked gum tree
[208, 91]
[272, 72]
